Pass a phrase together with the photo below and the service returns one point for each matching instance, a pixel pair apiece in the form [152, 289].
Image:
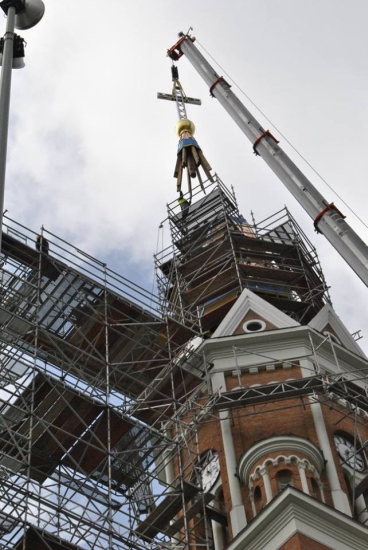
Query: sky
[91, 150]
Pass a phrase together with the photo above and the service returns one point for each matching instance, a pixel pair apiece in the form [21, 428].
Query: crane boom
[328, 220]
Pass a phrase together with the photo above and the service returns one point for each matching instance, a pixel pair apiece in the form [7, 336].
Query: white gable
[327, 316]
[248, 301]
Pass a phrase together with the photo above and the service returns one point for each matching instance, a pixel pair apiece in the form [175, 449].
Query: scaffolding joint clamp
[320, 215]
[267, 133]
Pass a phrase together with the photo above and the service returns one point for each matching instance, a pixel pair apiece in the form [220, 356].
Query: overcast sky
[92, 151]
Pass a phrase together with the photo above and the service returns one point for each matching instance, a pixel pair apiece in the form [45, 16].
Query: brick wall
[301, 542]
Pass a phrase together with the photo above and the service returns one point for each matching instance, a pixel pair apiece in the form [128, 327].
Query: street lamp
[21, 14]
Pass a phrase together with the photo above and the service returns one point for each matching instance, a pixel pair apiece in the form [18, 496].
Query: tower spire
[190, 155]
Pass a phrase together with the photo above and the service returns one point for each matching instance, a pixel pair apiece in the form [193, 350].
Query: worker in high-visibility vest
[184, 205]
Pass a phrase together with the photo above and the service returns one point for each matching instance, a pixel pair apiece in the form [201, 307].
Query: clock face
[209, 469]
[347, 452]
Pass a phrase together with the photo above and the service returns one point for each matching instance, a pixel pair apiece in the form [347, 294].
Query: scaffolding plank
[268, 393]
[158, 520]
[60, 416]
[197, 508]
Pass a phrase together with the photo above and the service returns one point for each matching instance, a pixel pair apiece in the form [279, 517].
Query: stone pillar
[339, 498]
[237, 513]
[218, 535]
[267, 483]
[303, 478]
[252, 503]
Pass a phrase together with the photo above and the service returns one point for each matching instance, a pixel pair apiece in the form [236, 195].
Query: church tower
[281, 420]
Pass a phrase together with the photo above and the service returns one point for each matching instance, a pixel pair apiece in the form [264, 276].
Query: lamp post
[21, 14]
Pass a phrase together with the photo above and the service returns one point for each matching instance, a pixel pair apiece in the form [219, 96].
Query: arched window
[315, 491]
[283, 478]
[222, 508]
[258, 501]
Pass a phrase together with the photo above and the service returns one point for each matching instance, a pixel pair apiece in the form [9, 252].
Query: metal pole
[5, 85]
[330, 221]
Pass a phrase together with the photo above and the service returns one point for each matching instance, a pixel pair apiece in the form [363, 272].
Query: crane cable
[282, 135]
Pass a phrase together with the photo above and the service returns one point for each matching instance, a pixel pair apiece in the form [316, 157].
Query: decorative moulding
[327, 316]
[292, 512]
[279, 444]
[287, 460]
[248, 301]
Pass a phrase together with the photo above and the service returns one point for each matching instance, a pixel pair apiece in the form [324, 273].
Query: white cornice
[276, 341]
[266, 337]
[293, 512]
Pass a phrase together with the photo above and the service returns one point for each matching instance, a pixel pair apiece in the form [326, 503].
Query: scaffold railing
[92, 370]
[103, 389]
[215, 253]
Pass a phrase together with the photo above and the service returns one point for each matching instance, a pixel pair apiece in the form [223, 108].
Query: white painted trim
[279, 343]
[294, 512]
[278, 444]
[237, 514]
[246, 324]
[340, 499]
[328, 316]
[249, 301]
[267, 483]
[303, 478]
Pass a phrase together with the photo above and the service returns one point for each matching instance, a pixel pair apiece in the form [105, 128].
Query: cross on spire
[190, 155]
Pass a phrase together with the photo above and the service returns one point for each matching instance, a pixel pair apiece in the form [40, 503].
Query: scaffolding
[215, 254]
[93, 381]
[103, 394]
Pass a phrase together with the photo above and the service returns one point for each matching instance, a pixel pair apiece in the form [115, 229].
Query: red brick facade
[301, 542]
[293, 417]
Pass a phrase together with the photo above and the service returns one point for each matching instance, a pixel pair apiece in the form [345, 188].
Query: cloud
[92, 151]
